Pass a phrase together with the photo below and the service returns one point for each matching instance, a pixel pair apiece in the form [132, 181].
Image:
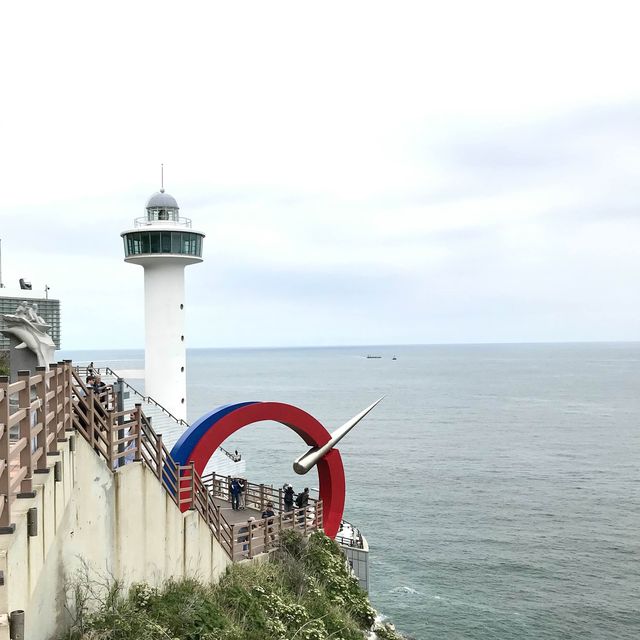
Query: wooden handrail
[54, 401]
[35, 412]
[78, 371]
[256, 493]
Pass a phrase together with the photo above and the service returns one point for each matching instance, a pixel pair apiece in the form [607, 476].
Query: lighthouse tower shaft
[164, 243]
[165, 354]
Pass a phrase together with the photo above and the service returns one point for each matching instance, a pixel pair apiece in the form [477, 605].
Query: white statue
[26, 325]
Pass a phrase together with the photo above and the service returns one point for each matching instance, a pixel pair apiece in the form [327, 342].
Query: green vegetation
[305, 593]
[4, 363]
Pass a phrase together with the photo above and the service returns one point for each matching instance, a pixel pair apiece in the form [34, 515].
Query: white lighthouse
[164, 243]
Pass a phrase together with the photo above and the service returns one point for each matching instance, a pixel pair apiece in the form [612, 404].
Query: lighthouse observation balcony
[162, 241]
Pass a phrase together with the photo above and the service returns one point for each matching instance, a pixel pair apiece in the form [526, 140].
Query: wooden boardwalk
[234, 517]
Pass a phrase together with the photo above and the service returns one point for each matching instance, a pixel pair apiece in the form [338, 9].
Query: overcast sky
[365, 172]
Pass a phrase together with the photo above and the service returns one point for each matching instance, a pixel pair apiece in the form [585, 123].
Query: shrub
[4, 363]
[306, 593]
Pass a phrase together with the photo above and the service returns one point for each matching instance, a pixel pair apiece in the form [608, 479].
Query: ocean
[498, 486]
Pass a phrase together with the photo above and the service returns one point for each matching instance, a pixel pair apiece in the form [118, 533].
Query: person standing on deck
[288, 497]
[235, 494]
[302, 500]
[243, 493]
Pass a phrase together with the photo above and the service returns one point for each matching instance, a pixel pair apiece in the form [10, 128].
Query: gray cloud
[545, 146]
[334, 284]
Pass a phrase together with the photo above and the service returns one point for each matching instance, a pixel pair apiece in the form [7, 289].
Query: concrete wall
[358, 560]
[122, 526]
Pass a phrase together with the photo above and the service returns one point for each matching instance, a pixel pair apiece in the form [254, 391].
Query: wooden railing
[35, 413]
[256, 495]
[83, 371]
[259, 536]
[265, 531]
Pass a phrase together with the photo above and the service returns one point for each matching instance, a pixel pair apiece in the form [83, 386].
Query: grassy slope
[306, 593]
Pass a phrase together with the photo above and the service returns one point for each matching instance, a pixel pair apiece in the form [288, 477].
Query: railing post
[176, 471]
[60, 405]
[261, 497]
[68, 414]
[159, 456]
[280, 499]
[24, 404]
[212, 520]
[41, 439]
[118, 388]
[48, 406]
[250, 527]
[206, 506]
[138, 412]
[111, 422]
[304, 519]
[193, 485]
[266, 534]
[234, 541]
[5, 448]
[53, 425]
[92, 417]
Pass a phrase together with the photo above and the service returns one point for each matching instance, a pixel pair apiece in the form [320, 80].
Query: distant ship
[370, 357]
[394, 358]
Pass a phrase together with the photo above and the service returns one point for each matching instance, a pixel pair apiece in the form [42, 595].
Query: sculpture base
[20, 359]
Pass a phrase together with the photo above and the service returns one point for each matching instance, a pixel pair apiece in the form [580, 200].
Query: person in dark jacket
[268, 515]
[303, 498]
[269, 512]
[288, 497]
[235, 494]
[98, 385]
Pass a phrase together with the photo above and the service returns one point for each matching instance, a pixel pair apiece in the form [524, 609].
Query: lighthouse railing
[179, 221]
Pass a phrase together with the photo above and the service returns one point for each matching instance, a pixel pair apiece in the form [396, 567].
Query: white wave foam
[404, 589]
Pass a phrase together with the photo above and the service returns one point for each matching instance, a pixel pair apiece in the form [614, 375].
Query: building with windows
[164, 243]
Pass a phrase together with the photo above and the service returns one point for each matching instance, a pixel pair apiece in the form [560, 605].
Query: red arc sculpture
[205, 436]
